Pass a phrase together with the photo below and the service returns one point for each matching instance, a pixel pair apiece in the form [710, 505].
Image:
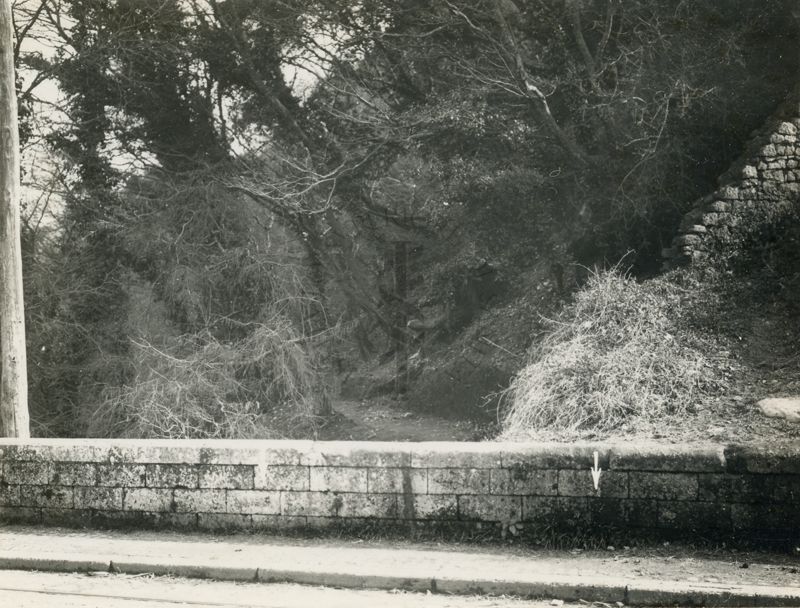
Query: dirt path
[386, 419]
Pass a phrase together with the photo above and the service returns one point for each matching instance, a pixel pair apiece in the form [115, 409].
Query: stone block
[684, 516]
[291, 453]
[447, 455]
[640, 513]
[9, 495]
[383, 506]
[223, 476]
[784, 488]
[74, 474]
[398, 481]
[56, 497]
[260, 502]
[523, 480]
[762, 459]
[728, 193]
[623, 513]
[442, 507]
[357, 454]
[749, 171]
[779, 138]
[52, 450]
[774, 175]
[171, 475]
[769, 151]
[30, 473]
[185, 451]
[121, 475]
[613, 484]
[459, 481]
[787, 128]
[608, 512]
[490, 508]
[295, 504]
[156, 451]
[20, 515]
[144, 520]
[687, 240]
[674, 458]
[72, 518]
[542, 510]
[334, 504]
[349, 525]
[200, 501]
[663, 486]
[765, 516]
[105, 498]
[122, 452]
[224, 522]
[268, 523]
[772, 191]
[282, 477]
[727, 487]
[231, 452]
[120, 519]
[557, 513]
[556, 455]
[148, 499]
[751, 193]
[338, 479]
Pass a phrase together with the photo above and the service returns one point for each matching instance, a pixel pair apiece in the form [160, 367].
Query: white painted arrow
[596, 473]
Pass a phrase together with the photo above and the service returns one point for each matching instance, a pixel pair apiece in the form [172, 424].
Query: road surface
[102, 590]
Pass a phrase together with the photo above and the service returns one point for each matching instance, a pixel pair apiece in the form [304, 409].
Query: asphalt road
[102, 590]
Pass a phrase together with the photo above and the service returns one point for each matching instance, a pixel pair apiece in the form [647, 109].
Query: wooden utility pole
[14, 420]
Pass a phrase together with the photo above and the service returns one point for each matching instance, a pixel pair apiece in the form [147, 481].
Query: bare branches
[574, 13]
[32, 19]
[518, 79]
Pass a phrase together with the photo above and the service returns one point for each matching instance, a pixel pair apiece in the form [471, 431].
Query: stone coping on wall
[504, 488]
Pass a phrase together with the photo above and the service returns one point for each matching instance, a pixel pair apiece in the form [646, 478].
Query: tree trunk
[13, 375]
[401, 315]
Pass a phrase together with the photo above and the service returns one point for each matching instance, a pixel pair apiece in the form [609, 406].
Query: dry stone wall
[761, 185]
[497, 488]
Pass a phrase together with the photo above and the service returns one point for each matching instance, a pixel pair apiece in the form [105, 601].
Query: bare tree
[13, 374]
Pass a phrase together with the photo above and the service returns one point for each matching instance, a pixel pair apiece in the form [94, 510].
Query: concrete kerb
[645, 592]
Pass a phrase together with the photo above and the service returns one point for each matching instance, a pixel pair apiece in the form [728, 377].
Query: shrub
[621, 353]
[202, 387]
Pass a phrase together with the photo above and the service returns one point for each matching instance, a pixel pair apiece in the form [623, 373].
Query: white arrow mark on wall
[596, 473]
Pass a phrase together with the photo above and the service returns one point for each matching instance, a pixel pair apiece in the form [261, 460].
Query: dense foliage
[330, 169]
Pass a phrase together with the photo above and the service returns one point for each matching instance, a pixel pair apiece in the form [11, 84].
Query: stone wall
[762, 184]
[518, 489]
